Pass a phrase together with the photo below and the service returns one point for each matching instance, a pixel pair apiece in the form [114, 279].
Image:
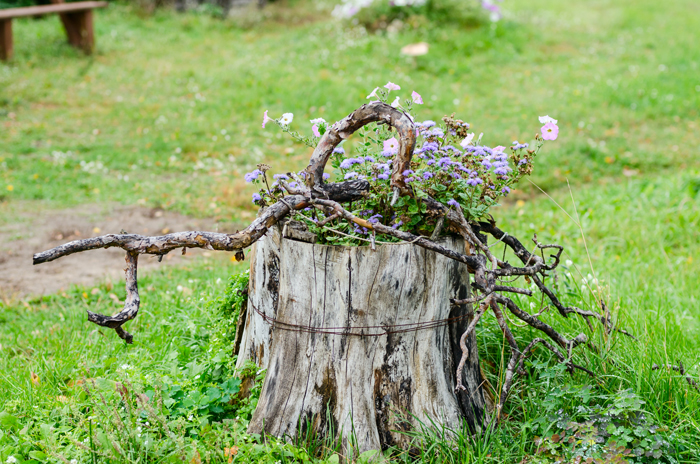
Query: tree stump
[359, 342]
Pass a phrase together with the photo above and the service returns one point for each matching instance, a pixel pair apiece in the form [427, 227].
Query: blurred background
[154, 131]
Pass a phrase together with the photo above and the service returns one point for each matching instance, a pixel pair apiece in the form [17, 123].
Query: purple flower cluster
[349, 162]
[253, 175]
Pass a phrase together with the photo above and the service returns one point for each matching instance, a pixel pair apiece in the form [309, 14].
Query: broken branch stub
[131, 303]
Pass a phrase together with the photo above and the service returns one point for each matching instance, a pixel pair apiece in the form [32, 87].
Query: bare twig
[681, 370]
[463, 342]
[131, 302]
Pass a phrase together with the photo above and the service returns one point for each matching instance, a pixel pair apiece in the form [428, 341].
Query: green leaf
[38, 455]
[213, 393]
[367, 456]
[8, 421]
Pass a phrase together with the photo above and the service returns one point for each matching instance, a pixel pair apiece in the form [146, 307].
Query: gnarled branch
[481, 262]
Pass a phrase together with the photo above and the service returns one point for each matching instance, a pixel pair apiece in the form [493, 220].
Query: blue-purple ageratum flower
[453, 202]
[474, 181]
[427, 124]
[326, 176]
[256, 197]
[427, 175]
[347, 164]
[428, 146]
[383, 176]
[350, 175]
[444, 162]
[374, 219]
[407, 172]
[435, 132]
[397, 225]
[506, 190]
[339, 150]
[253, 175]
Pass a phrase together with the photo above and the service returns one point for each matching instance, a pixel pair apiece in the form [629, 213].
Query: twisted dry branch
[313, 192]
[681, 370]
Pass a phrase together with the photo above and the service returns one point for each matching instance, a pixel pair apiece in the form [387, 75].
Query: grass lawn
[167, 113]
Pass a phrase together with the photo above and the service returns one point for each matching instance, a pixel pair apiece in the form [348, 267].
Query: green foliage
[384, 14]
[581, 424]
[131, 407]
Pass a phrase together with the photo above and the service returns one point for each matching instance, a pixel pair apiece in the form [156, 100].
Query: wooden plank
[47, 9]
[5, 39]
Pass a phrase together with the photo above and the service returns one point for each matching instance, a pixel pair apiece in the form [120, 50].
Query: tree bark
[343, 341]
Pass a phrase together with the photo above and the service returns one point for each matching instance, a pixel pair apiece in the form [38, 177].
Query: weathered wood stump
[357, 341]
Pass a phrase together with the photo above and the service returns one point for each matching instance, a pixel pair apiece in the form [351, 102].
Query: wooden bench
[76, 17]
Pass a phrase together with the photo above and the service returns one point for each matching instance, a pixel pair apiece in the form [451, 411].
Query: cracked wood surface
[364, 381]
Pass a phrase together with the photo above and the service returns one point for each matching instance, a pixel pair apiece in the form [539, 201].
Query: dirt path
[33, 232]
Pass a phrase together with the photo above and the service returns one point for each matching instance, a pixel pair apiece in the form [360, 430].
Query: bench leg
[80, 30]
[5, 39]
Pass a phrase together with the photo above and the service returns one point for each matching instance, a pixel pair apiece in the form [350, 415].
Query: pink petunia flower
[373, 94]
[396, 102]
[391, 146]
[391, 86]
[266, 119]
[314, 129]
[417, 99]
[498, 149]
[550, 131]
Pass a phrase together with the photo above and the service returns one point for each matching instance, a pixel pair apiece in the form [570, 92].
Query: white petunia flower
[546, 119]
[467, 140]
[287, 119]
[318, 121]
[396, 102]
